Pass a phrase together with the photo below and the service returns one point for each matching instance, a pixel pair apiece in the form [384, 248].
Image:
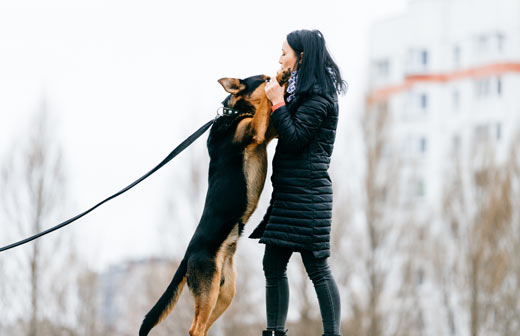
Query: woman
[299, 215]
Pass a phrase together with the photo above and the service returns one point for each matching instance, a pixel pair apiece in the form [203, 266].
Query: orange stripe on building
[383, 94]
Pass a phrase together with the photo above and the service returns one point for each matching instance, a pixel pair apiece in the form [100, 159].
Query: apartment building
[448, 71]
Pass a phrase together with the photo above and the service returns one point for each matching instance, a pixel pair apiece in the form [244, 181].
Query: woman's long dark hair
[317, 68]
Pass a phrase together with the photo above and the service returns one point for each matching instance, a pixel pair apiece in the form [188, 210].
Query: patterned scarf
[291, 87]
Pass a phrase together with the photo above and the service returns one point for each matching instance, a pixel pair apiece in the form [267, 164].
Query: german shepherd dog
[237, 171]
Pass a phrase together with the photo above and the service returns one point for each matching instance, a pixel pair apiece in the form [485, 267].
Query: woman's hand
[274, 91]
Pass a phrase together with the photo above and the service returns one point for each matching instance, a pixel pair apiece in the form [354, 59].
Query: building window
[424, 58]
[456, 99]
[456, 143]
[423, 145]
[417, 60]
[482, 87]
[500, 38]
[415, 188]
[423, 101]
[482, 43]
[382, 68]
[482, 133]
[499, 131]
[488, 86]
[491, 42]
[420, 276]
[420, 188]
[456, 56]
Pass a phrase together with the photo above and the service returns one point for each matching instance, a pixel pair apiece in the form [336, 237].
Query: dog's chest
[220, 144]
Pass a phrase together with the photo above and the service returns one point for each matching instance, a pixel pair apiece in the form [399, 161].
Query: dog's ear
[232, 85]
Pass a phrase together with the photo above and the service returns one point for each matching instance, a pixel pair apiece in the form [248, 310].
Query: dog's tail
[167, 301]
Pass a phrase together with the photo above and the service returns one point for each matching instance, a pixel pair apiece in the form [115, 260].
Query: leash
[170, 156]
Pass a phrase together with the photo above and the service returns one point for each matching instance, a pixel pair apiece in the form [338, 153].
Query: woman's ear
[301, 58]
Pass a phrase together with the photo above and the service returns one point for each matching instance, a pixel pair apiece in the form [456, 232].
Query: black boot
[273, 333]
[331, 335]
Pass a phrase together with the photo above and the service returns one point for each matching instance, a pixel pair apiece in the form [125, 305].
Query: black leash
[170, 156]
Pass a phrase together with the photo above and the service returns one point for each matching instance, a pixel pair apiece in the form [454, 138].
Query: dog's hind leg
[204, 281]
[227, 291]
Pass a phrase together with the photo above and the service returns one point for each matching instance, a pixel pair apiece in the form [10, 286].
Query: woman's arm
[296, 131]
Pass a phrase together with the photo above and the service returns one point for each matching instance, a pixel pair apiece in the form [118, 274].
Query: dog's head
[248, 95]
[245, 95]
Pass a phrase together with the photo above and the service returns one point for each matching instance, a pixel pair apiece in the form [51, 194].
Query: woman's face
[288, 57]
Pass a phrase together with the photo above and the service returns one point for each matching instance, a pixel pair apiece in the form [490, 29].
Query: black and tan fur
[237, 171]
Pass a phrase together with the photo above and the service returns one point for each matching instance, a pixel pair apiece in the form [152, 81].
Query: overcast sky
[125, 81]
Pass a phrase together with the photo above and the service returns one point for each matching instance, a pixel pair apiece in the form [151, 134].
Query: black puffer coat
[300, 212]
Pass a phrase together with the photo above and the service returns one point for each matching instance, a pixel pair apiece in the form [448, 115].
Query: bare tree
[375, 130]
[88, 319]
[479, 206]
[32, 189]
[507, 306]
[129, 289]
[383, 270]
[3, 297]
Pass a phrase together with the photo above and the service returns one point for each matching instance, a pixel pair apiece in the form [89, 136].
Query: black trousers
[277, 288]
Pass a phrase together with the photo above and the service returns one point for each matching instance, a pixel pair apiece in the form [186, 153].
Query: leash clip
[220, 112]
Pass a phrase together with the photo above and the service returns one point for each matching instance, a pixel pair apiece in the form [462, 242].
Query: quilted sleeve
[296, 131]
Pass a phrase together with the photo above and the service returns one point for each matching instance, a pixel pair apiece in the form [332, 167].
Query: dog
[237, 171]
